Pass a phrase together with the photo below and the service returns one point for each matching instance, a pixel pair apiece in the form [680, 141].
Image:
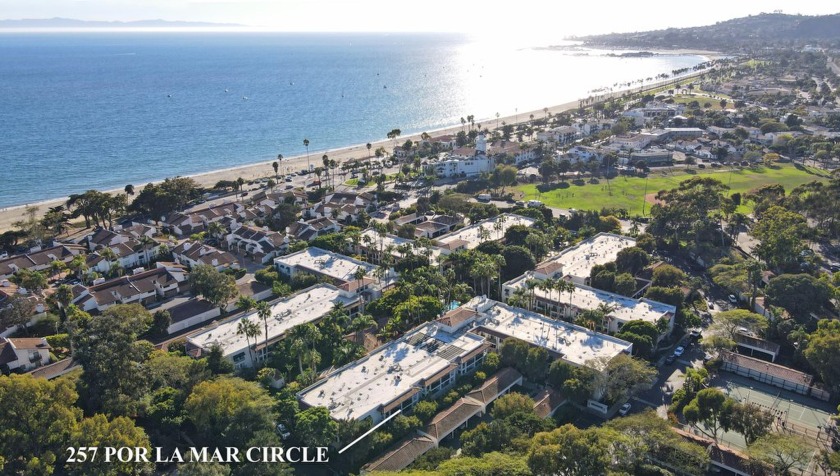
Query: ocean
[101, 110]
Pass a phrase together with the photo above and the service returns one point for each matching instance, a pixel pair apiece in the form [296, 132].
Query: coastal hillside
[732, 35]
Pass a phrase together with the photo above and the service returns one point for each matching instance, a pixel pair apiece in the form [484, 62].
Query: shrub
[450, 398]
[678, 400]
[425, 409]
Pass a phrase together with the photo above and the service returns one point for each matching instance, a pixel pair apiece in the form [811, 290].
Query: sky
[532, 18]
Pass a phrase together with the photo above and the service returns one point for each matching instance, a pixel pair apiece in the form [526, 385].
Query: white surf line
[342, 450]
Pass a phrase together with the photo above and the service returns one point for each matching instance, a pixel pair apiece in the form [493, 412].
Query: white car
[679, 351]
[733, 299]
[625, 409]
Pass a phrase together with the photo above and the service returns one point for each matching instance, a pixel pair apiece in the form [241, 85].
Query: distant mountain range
[747, 32]
[72, 23]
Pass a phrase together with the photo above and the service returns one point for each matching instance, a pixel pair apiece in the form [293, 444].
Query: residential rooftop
[470, 237]
[393, 372]
[319, 261]
[600, 249]
[572, 343]
[385, 241]
[625, 309]
[306, 306]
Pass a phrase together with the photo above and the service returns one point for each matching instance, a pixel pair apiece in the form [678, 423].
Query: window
[238, 358]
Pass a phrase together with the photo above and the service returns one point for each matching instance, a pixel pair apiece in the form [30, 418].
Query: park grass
[629, 192]
[701, 100]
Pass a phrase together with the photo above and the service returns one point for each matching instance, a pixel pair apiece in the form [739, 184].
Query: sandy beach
[10, 215]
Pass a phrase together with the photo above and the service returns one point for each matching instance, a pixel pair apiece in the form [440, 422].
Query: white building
[577, 261]
[458, 165]
[261, 244]
[373, 246]
[573, 344]
[306, 306]
[568, 305]
[423, 362]
[426, 361]
[562, 135]
[192, 254]
[339, 269]
[491, 229]
[23, 354]
[645, 115]
[144, 288]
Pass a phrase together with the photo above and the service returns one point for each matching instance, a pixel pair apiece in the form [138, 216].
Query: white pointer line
[342, 450]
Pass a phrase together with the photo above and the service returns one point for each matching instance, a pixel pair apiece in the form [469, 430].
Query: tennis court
[792, 411]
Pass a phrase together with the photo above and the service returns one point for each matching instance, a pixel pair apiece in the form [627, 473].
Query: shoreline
[263, 168]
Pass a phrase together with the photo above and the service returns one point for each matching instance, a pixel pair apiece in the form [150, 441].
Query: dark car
[670, 359]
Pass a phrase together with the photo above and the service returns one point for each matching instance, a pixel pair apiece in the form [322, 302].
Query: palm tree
[547, 286]
[108, 254]
[306, 144]
[129, 189]
[360, 323]
[246, 303]
[215, 229]
[518, 298]
[359, 275]
[276, 165]
[326, 160]
[249, 329]
[298, 347]
[500, 263]
[264, 312]
[146, 242]
[570, 288]
[369, 146]
[605, 309]
[532, 284]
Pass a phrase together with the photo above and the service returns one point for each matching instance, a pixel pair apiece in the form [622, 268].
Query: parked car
[733, 299]
[283, 431]
[701, 166]
[695, 334]
[679, 351]
[625, 409]
[670, 359]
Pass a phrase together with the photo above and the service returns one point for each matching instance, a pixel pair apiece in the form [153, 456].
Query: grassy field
[702, 100]
[629, 192]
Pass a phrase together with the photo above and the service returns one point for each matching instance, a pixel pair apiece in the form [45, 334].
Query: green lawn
[629, 192]
[701, 100]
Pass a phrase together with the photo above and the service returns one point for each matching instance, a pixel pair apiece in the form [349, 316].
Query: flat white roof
[386, 241]
[586, 298]
[576, 344]
[470, 234]
[389, 372]
[325, 262]
[602, 248]
[396, 242]
[306, 306]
